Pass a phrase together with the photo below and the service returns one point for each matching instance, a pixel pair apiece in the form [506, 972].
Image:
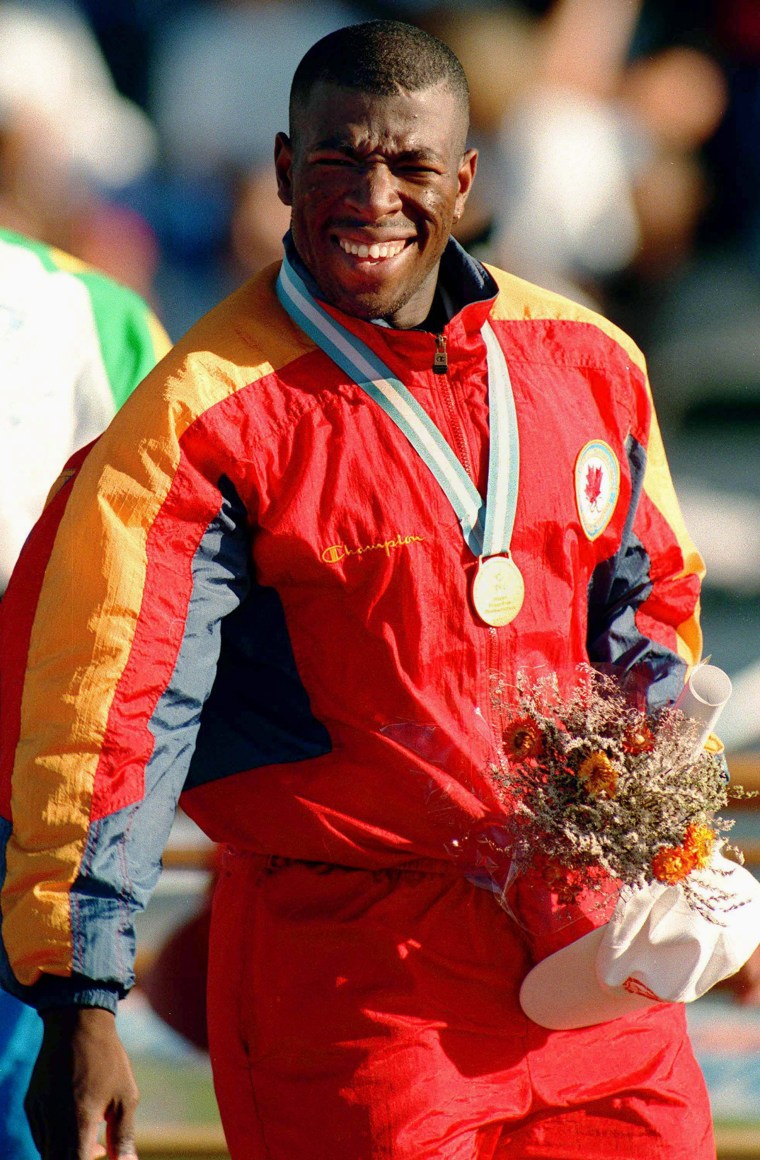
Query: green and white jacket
[73, 345]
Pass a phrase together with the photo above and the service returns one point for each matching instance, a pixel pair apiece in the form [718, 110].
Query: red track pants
[373, 1015]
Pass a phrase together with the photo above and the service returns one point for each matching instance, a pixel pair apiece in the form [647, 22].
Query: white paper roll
[704, 696]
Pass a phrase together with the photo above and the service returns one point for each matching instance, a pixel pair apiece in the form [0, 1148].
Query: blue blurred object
[20, 1038]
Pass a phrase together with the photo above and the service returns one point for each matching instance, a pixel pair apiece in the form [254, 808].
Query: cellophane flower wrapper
[596, 796]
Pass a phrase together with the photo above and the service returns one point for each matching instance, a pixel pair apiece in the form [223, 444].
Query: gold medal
[498, 590]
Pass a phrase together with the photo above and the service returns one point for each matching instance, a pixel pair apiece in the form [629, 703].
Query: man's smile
[374, 251]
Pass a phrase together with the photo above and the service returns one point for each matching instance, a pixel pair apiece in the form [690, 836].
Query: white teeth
[376, 250]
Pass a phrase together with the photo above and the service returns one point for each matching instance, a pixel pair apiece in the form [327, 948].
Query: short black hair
[379, 57]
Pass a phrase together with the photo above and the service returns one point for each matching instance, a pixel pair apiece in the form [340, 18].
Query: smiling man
[377, 475]
[376, 175]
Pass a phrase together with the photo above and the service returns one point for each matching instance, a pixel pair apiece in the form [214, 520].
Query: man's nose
[374, 193]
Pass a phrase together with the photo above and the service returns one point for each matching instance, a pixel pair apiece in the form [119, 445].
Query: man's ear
[283, 167]
[467, 168]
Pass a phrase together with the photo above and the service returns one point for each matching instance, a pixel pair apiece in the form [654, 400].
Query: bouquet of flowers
[594, 791]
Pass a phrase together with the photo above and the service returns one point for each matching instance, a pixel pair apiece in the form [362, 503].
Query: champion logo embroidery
[337, 552]
[597, 486]
[636, 987]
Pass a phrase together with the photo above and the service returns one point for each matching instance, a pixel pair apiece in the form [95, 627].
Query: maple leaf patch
[597, 486]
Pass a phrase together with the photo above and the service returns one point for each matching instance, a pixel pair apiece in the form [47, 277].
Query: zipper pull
[440, 361]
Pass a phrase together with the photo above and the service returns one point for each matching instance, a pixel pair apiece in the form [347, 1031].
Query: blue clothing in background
[20, 1039]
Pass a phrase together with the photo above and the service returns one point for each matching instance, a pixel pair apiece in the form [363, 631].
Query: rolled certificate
[704, 695]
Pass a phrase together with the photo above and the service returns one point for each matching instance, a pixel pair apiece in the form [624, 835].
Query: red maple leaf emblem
[593, 485]
[636, 987]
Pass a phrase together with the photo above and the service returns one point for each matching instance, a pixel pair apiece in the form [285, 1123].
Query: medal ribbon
[486, 527]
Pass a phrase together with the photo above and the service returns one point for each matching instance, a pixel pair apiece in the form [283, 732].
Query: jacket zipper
[441, 367]
[440, 359]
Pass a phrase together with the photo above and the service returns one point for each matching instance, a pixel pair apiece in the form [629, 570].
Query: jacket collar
[462, 282]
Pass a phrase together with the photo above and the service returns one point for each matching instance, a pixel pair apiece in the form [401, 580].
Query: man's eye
[417, 170]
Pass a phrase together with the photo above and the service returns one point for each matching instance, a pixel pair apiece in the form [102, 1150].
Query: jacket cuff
[72, 991]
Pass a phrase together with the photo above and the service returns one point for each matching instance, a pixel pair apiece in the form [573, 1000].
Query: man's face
[374, 184]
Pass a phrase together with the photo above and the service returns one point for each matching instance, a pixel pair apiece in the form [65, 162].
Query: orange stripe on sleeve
[88, 610]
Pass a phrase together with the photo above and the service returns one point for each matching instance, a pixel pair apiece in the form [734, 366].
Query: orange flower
[522, 739]
[598, 775]
[639, 739]
[699, 842]
[671, 864]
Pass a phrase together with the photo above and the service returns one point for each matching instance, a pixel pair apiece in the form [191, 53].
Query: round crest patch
[597, 486]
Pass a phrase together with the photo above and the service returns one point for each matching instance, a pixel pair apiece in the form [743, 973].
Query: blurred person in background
[596, 169]
[71, 144]
[717, 364]
[73, 345]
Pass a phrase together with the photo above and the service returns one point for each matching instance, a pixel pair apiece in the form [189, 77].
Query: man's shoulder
[246, 341]
[521, 301]
[247, 335]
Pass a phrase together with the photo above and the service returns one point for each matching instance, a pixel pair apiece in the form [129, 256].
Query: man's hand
[82, 1077]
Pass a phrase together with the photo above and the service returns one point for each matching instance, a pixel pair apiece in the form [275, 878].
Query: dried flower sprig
[604, 791]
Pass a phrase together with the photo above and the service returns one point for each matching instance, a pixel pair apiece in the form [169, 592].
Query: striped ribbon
[486, 526]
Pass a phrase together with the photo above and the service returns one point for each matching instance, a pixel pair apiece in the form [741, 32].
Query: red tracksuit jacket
[252, 592]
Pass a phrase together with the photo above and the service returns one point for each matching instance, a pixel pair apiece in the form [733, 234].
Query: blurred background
[619, 163]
